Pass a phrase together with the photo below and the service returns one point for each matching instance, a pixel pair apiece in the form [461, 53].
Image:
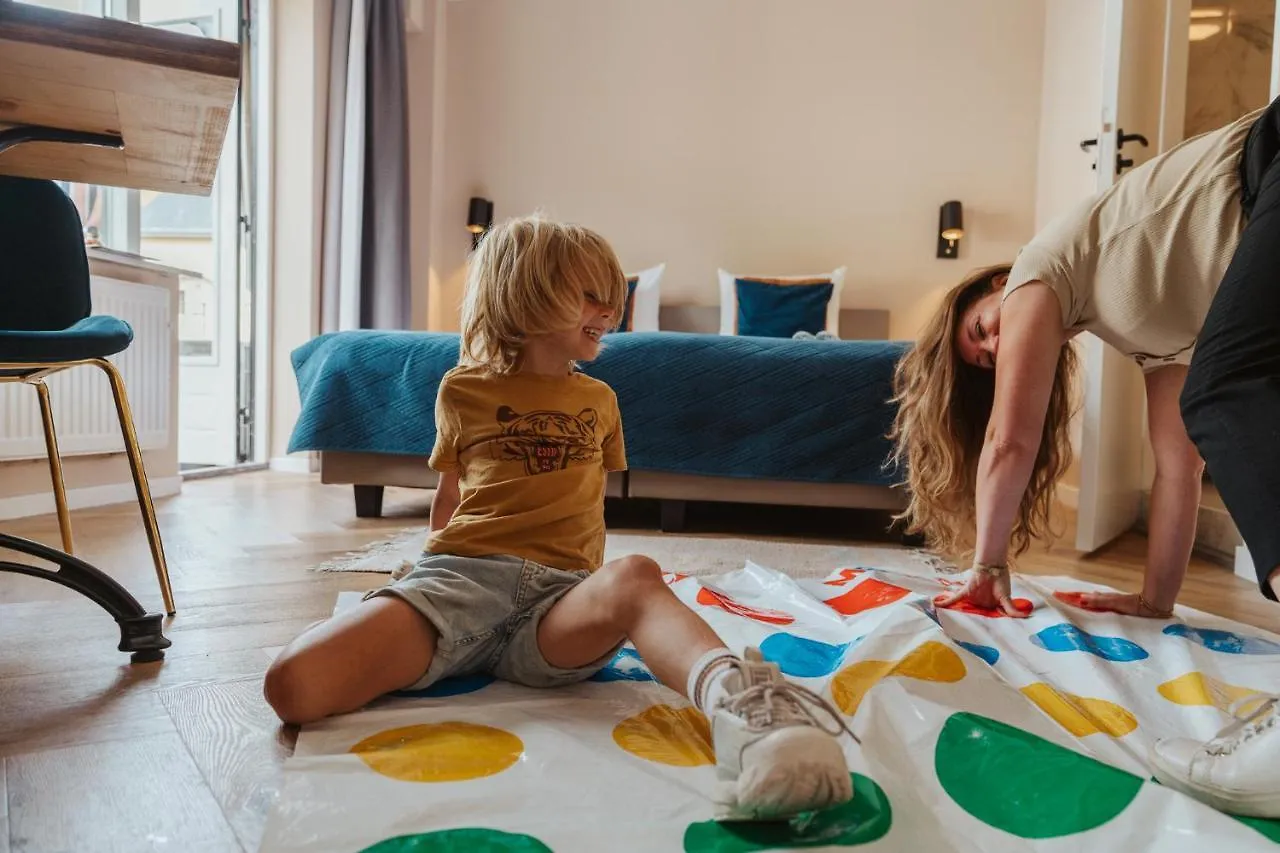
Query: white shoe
[774, 756]
[1238, 771]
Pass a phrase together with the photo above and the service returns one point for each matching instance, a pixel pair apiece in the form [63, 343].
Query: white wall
[761, 136]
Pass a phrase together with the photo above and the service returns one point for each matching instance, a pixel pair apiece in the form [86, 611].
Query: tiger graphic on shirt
[546, 440]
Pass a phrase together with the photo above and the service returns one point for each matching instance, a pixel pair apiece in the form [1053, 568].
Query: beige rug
[692, 555]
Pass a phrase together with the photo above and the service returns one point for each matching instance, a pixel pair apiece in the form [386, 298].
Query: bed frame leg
[368, 501]
[673, 516]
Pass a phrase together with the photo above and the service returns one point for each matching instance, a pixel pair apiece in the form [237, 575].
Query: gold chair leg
[55, 466]
[139, 480]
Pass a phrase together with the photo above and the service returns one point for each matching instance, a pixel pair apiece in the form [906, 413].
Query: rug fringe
[382, 546]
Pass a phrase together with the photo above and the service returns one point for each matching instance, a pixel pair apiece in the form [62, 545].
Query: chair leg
[55, 466]
[134, 453]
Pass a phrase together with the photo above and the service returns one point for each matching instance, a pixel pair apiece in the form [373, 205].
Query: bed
[706, 417]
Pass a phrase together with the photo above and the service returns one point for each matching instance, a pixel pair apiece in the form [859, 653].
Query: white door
[208, 317]
[1137, 44]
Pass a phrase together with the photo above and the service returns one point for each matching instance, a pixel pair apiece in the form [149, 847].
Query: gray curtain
[365, 253]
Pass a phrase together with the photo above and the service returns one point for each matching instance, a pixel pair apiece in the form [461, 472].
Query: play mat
[979, 733]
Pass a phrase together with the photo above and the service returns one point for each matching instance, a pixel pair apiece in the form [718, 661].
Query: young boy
[511, 582]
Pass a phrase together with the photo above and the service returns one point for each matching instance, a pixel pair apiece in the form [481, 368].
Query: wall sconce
[950, 230]
[479, 219]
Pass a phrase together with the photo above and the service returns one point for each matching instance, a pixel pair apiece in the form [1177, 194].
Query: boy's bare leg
[344, 663]
[775, 744]
[627, 599]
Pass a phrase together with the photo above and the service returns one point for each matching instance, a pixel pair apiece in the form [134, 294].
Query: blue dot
[1068, 638]
[626, 666]
[1226, 642]
[802, 657]
[455, 686]
[987, 653]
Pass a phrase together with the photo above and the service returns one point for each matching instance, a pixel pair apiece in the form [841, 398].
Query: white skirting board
[92, 496]
[297, 464]
[1244, 564]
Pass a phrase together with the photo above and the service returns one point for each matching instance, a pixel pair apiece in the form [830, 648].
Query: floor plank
[238, 744]
[4, 810]
[146, 794]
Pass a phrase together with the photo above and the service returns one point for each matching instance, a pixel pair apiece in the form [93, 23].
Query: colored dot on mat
[1024, 785]
[457, 686]
[987, 653]
[460, 841]
[1022, 605]
[711, 598]
[625, 666]
[1080, 715]
[1226, 642]
[440, 752]
[1065, 637]
[868, 595]
[844, 577]
[802, 657]
[929, 661]
[673, 577]
[1269, 828]
[1196, 688]
[666, 735]
[863, 819]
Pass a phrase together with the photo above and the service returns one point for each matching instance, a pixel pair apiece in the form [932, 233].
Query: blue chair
[46, 326]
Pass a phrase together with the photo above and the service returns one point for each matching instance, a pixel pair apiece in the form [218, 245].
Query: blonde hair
[944, 404]
[529, 277]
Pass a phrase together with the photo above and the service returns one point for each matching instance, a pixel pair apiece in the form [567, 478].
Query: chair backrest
[44, 271]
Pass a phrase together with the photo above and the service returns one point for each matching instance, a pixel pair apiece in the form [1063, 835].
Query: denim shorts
[486, 611]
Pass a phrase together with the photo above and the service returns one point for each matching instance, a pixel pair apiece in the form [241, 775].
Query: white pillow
[729, 297]
[644, 305]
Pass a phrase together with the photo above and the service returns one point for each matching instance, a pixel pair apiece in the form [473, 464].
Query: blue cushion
[93, 337]
[776, 309]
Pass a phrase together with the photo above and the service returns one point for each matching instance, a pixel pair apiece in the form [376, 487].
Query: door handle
[1122, 138]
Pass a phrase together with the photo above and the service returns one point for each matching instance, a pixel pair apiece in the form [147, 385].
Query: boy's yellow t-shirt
[532, 454]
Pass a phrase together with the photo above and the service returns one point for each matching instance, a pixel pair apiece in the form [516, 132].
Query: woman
[1177, 266]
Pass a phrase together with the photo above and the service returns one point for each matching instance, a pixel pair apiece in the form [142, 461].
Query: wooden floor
[97, 755]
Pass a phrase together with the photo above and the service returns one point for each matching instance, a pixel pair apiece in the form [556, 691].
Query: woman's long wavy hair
[944, 404]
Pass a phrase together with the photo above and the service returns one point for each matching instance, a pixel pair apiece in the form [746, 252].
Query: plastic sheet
[979, 733]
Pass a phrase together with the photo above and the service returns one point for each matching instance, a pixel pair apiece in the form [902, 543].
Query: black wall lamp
[479, 219]
[950, 230]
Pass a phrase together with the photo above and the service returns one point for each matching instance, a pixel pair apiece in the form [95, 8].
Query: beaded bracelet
[990, 569]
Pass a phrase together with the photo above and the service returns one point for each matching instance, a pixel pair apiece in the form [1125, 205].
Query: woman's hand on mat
[985, 591]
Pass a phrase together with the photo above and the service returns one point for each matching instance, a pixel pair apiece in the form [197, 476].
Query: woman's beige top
[1138, 264]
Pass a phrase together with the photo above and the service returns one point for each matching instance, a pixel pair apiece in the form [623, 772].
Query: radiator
[83, 409]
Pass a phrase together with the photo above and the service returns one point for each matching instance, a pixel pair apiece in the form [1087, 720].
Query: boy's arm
[445, 502]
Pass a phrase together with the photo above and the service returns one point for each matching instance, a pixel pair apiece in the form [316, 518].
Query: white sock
[706, 678]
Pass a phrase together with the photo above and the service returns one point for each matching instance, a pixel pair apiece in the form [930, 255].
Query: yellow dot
[666, 735]
[930, 661]
[1196, 688]
[1080, 715]
[440, 752]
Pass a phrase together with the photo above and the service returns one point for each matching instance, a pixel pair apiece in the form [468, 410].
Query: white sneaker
[1238, 771]
[774, 756]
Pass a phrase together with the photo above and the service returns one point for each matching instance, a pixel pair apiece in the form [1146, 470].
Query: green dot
[1025, 785]
[861, 820]
[460, 841]
[1269, 828]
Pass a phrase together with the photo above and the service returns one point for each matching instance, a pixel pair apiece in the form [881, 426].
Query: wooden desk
[167, 95]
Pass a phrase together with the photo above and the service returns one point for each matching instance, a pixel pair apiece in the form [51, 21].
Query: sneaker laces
[1246, 725]
[787, 704]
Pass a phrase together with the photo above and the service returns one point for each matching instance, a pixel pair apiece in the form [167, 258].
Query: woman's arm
[1031, 340]
[445, 501]
[1175, 502]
